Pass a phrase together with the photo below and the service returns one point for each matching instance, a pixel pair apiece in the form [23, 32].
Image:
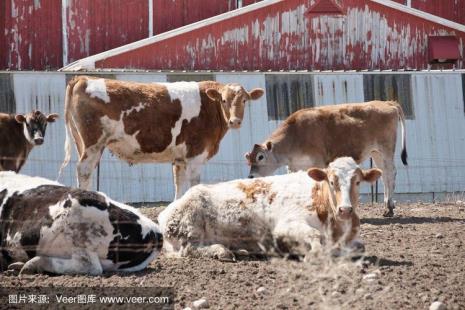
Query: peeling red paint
[281, 36]
[96, 26]
[32, 36]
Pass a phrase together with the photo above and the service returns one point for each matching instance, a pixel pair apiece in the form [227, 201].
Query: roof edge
[430, 17]
[89, 62]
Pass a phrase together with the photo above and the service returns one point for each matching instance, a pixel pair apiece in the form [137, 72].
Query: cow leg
[386, 164]
[80, 263]
[215, 251]
[296, 237]
[179, 177]
[86, 165]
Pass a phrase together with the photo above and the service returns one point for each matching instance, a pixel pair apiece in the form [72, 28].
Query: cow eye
[358, 183]
[224, 101]
[260, 157]
[331, 182]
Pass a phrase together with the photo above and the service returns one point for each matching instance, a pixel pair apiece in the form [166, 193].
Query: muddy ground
[413, 259]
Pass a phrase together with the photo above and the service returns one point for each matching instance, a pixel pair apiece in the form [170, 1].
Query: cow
[285, 214]
[316, 136]
[48, 227]
[180, 123]
[19, 134]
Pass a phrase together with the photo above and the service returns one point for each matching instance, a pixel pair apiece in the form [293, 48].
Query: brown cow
[18, 135]
[182, 123]
[314, 137]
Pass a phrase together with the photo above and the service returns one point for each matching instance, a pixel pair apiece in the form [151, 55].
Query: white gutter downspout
[64, 21]
[150, 18]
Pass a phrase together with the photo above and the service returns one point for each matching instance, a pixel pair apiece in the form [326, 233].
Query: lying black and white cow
[289, 213]
[52, 228]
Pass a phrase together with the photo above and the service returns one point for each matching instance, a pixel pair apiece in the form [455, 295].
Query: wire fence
[154, 182]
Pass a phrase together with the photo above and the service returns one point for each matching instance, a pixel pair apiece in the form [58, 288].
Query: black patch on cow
[28, 212]
[128, 244]
[2, 196]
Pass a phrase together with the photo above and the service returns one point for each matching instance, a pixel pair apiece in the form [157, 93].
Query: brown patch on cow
[271, 197]
[320, 202]
[254, 189]
[205, 131]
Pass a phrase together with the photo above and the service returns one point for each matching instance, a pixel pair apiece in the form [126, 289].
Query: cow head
[341, 180]
[233, 98]
[261, 160]
[35, 124]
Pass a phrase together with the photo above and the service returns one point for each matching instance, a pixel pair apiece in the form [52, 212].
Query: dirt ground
[411, 260]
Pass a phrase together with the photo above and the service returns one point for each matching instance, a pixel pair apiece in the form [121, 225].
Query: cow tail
[403, 154]
[66, 160]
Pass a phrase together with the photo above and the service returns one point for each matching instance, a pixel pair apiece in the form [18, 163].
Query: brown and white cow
[48, 227]
[181, 123]
[316, 136]
[288, 214]
[18, 135]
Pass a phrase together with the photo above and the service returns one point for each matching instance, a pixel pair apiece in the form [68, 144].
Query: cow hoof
[357, 248]
[16, 266]
[221, 253]
[388, 213]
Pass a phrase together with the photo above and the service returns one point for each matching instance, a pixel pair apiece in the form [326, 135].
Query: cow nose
[250, 176]
[235, 122]
[345, 210]
[38, 141]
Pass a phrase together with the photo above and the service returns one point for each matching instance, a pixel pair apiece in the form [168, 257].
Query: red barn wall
[95, 26]
[32, 37]
[450, 9]
[283, 36]
[168, 15]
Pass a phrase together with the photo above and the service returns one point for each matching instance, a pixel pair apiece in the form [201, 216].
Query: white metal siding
[435, 137]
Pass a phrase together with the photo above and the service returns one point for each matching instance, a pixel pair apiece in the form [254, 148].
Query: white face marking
[96, 88]
[344, 168]
[188, 94]
[27, 135]
[235, 88]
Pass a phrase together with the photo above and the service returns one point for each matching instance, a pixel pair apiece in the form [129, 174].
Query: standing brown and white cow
[182, 123]
[18, 135]
[314, 137]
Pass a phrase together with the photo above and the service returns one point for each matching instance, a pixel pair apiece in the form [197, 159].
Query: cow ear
[247, 156]
[20, 118]
[269, 145]
[256, 93]
[371, 175]
[213, 94]
[52, 117]
[317, 174]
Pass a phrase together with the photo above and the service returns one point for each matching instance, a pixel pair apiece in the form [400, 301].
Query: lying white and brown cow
[314, 137]
[288, 213]
[47, 227]
[18, 135]
[181, 123]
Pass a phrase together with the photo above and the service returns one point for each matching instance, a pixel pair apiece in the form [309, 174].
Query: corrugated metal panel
[7, 95]
[32, 34]
[390, 87]
[435, 138]
[281, 35]
[97, 26]
[287, 94]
